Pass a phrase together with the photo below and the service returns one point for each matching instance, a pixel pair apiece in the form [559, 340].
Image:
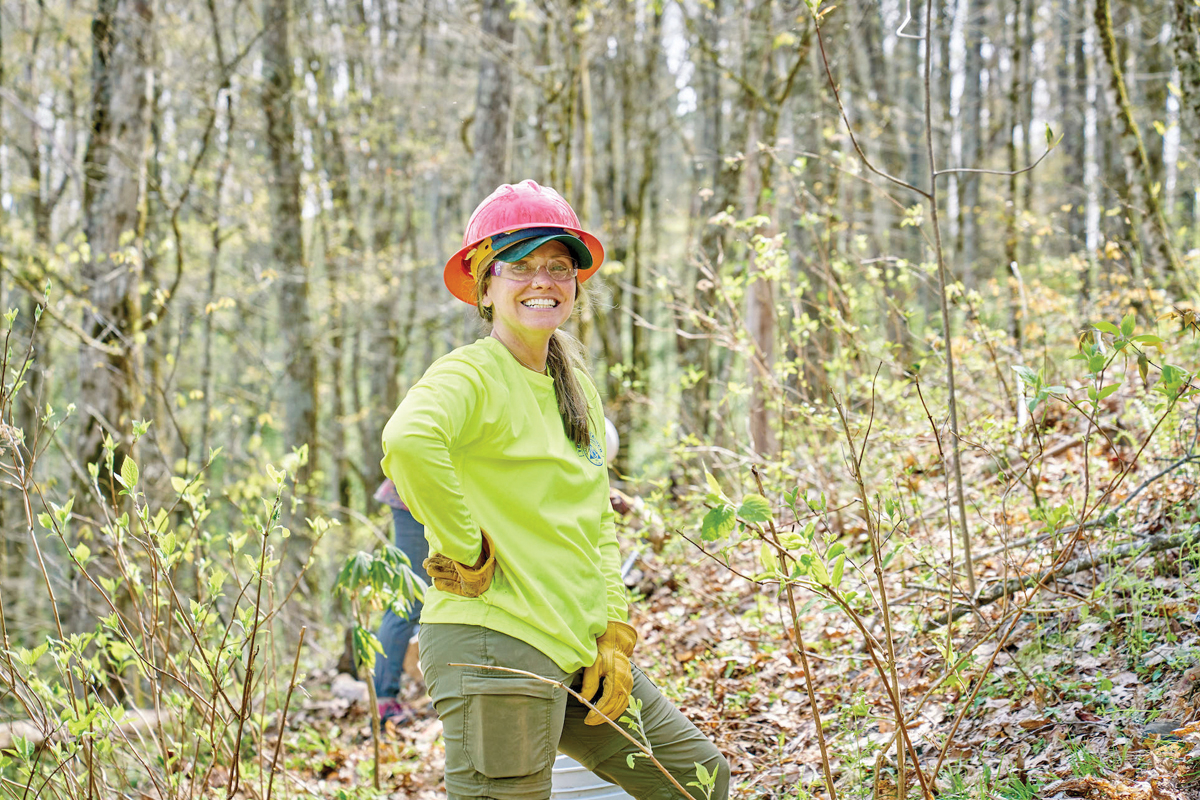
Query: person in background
[395, 632]
[499, 450]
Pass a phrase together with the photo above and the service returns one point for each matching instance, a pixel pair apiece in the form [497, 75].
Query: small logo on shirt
[593, 452]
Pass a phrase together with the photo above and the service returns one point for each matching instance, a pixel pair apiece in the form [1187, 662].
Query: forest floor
[1094, 693]
[1088, 687]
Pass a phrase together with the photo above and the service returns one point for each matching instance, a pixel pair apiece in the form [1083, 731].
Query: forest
[897, 327]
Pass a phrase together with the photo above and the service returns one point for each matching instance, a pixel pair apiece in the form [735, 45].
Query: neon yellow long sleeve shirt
[478, 443]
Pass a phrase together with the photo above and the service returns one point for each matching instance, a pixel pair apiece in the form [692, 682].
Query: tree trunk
[760, 300]
[113, 165]
[156, 472]
[1012, 208]
[648, 162]
[715, 179]
[43, 200]
[225, 123]
[639, 136]
[609, 86]
[1187, 61]
[493, 100]
[1092, 142]
[109, 395]
[1143, 194]
[878, 79]
[972, 107]
[916, 157]
[1028, 39]
[342, 249]
[1072, 82]
[299, 385]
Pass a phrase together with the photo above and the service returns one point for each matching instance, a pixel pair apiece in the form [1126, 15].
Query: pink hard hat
[511, 208]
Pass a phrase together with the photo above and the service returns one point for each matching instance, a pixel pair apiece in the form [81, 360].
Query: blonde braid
[566, 355]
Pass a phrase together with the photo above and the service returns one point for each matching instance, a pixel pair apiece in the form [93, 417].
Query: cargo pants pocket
[511, 726]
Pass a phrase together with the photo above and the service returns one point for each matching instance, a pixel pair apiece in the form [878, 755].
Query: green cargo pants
[502, 730]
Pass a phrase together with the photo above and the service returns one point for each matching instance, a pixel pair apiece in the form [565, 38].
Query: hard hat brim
[579, 251]
[457, 273]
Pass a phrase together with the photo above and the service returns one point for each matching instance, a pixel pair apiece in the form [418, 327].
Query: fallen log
[21, 729]
[1148, 544]
[136, 720]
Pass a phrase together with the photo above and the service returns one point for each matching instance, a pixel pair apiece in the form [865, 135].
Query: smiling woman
[526, 305]
[499, 451]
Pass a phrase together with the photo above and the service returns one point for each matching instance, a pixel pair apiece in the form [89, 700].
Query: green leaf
[1108, 390]
[30, 657]
[1027, 375]
[755, 508]
[63, 513]
[82, 553]
[178, 484]
[713, 486]
[819, 572]
[1097, 362]
[129, 473]
[835, 550]
[1107, 327]
[1147, 338]
[1127, 325]
[838, 567]
[365, 646]
[24, 747]
[718, 523]
[767, 558]
[792, 541]
[790, 497]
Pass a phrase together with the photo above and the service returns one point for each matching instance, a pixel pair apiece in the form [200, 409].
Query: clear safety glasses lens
[563, 270]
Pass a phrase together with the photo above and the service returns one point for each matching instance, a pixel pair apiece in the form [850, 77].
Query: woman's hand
[614, 646]
[450, 576]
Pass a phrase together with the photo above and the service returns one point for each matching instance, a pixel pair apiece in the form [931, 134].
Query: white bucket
[572, 781]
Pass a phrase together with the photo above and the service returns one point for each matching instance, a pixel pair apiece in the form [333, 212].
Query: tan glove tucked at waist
[450, 576]
[615, 647]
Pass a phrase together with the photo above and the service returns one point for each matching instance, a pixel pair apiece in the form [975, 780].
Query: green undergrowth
[1078, 439]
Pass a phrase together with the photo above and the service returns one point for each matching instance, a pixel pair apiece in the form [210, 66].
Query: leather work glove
[615, 647]
[450, 576]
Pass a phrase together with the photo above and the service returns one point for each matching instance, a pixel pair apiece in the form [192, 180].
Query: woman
[499, 448]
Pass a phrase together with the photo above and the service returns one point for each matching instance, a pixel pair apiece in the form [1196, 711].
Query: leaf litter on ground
[1094, 694]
